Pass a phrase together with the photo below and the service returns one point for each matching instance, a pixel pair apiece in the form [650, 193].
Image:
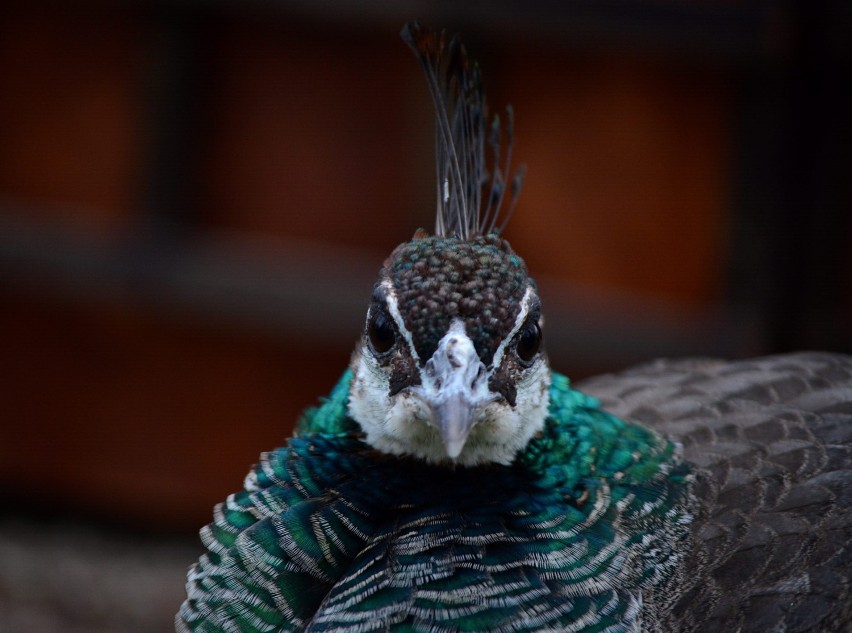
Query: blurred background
[195, 198]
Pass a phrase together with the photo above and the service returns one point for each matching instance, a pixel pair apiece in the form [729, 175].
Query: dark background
[195, 198]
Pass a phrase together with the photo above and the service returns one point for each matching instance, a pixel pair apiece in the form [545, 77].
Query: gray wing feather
[772, 442]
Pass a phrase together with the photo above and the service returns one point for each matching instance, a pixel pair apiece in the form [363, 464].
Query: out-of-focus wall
[194, 199]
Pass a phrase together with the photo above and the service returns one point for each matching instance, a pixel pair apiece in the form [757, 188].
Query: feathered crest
[460, 137]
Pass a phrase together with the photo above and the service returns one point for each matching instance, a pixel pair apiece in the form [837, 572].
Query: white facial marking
[519, 321]
[479, 425]
[393, 308]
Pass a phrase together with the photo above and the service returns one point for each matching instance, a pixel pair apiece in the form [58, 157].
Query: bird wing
[771, 442]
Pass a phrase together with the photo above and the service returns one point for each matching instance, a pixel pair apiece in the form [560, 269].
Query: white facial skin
[451, 416]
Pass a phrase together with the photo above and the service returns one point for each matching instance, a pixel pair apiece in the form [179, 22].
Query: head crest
[460, 136]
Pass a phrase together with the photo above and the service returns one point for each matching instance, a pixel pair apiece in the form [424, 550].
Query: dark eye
[529, 341]
[380, 332]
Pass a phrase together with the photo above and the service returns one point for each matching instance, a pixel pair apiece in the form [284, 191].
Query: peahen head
[450, 367]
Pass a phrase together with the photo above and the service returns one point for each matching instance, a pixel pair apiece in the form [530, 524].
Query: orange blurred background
[195, 198]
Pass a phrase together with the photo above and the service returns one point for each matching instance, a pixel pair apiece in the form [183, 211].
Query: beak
[454, 387]
[455, 417]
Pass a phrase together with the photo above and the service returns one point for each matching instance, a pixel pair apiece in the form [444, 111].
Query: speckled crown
[436, 279]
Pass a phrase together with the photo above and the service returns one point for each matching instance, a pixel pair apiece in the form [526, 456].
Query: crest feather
[461, 115]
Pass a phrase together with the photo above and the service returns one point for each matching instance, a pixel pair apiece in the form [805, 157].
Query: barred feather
[770, 441]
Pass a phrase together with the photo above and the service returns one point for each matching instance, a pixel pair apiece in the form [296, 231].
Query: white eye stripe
[526, 303]
[396, 315]
[393, 309]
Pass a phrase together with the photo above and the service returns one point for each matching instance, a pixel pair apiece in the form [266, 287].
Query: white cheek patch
[408, 431]
[505, 430]
[397, 425]
[368, 393]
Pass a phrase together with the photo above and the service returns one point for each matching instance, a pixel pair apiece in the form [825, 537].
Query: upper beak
[455, 417]
[455, 387]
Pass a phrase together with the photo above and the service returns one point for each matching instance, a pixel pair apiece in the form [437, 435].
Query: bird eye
[529, 341]
[380, 332]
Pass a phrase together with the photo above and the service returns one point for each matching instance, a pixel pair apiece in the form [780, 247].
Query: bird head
[450, 366]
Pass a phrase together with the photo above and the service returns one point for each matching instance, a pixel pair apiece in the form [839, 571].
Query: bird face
[450, 367]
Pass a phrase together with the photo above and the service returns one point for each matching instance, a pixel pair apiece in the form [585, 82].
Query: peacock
[452, 482]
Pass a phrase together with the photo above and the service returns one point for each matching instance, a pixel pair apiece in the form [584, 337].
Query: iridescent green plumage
[331, 535]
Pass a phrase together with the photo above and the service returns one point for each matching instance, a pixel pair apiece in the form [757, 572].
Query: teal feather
[332, 415]
[329, 534]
